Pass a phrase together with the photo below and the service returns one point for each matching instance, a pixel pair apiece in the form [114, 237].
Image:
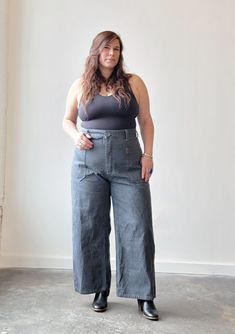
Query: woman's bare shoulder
[75, 90]
[76, 85]
[136, 84]
[135, 80]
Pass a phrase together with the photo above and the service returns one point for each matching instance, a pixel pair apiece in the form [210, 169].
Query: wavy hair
[92, 78]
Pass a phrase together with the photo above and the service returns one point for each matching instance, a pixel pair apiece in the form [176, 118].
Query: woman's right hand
[82, 141]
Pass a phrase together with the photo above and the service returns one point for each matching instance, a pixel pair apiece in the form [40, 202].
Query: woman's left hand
[147, 168]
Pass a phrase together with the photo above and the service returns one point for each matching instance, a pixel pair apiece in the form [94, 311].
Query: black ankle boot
[100, 301]
[148, 309]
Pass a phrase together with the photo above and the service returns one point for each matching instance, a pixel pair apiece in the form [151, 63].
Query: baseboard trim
[195, 268]
[25, 261]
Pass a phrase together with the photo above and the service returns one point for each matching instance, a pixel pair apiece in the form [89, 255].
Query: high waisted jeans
[112, 170]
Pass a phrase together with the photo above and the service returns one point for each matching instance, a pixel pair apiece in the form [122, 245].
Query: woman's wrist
[147, 155]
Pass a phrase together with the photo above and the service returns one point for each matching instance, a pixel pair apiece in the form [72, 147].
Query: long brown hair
[92, 78]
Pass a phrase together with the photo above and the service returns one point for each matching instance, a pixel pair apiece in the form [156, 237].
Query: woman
[108, 164]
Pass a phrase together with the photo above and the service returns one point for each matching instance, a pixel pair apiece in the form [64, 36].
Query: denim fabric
[111, 170]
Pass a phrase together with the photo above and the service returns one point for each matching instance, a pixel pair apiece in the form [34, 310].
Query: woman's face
[110, 54]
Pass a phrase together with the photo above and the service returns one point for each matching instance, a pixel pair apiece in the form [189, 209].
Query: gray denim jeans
[111, 170]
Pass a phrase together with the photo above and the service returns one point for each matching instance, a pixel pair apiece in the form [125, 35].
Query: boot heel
[140, 305]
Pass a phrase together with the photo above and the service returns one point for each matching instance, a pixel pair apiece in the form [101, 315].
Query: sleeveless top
[104, 112]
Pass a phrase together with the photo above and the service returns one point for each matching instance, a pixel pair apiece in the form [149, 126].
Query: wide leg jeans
[111, 170]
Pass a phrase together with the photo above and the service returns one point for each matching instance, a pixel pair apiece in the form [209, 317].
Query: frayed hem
[123, 295]
[87, 292]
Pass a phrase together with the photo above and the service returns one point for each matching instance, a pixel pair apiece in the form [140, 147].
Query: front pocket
[79, 158]
[134, 152]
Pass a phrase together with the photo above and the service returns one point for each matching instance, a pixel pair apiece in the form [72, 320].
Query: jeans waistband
[121, 133]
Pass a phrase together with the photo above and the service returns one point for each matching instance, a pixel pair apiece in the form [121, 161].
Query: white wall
[185, 52]
[3, 98]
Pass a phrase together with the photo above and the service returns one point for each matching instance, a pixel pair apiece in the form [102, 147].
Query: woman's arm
[71, 112]
[145, 123]
[70, 117]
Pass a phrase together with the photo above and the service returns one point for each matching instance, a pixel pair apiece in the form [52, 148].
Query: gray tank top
[103, 112]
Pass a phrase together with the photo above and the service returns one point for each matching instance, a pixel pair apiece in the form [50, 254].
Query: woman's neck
[106, 72]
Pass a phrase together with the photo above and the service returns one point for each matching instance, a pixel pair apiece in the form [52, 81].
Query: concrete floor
[41, 301]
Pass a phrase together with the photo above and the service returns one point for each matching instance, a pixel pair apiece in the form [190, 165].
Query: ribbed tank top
[104, 112]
